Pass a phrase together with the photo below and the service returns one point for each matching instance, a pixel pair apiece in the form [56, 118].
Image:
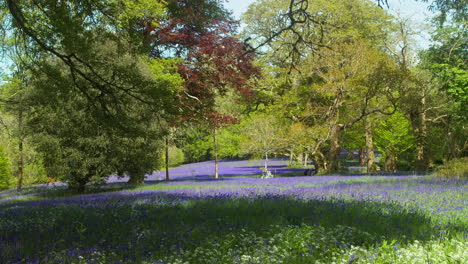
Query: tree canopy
[110, 87]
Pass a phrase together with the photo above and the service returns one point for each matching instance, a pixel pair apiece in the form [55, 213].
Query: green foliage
[80, 142]
[5, 174]
[229, 141]
[447, 58]
[456, 85]
[131, 12]
[332, 22]
[354, 138]
[393, 137]
[176, 156]
[34, 171]
[456, 168]
[262, 135]
[196, 144]
[456, 10]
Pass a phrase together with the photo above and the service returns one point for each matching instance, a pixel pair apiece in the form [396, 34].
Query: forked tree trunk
[320, 162]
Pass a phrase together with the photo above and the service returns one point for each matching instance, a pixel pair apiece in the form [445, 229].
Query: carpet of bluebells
[240, 218]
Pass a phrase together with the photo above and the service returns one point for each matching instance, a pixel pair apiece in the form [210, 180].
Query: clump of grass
[456, 168]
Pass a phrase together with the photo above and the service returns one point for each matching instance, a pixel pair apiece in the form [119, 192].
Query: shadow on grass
[133, 225]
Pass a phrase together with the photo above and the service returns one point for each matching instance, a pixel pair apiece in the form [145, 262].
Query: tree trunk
[81, 188]
[300, 159]
[291, 157]
[215, 152]
[320, 162]
[390, 162]
[362, 157]
[334, 153]
[369, 147]
[20, 165]
[421, 160]
[167, 157]
[79, 185]
[20, 152]
[136, 178]
[306, 159]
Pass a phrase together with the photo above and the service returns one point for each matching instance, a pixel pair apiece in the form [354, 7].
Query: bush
[176, 156]
[5, 175]
[454, 168]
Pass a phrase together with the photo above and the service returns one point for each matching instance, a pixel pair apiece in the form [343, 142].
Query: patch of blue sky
[416, 11]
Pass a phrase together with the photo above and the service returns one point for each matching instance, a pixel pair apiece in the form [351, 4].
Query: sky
[416, 11]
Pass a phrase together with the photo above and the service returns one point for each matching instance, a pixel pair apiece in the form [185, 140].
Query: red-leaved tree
[201, 32]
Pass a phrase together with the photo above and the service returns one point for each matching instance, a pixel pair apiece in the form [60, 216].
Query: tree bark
[291, 157]
[167, 157]
[390, 162]
[371, 168]
[136, 178]
[362, 157]
[306, 159]
[421, 160]
[20, 152]
[81, 186]
[334, 153]
[299, 158]
[215, 153]
[320, 162]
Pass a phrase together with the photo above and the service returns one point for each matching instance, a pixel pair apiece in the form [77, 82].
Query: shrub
[176, 156]
[5, 175]
[454, 168]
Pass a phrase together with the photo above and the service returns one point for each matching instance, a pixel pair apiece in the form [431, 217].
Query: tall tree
[262, 136]
[201, 32]
[339, 60]
[97, 49]
[447, 59]
[79, 146]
